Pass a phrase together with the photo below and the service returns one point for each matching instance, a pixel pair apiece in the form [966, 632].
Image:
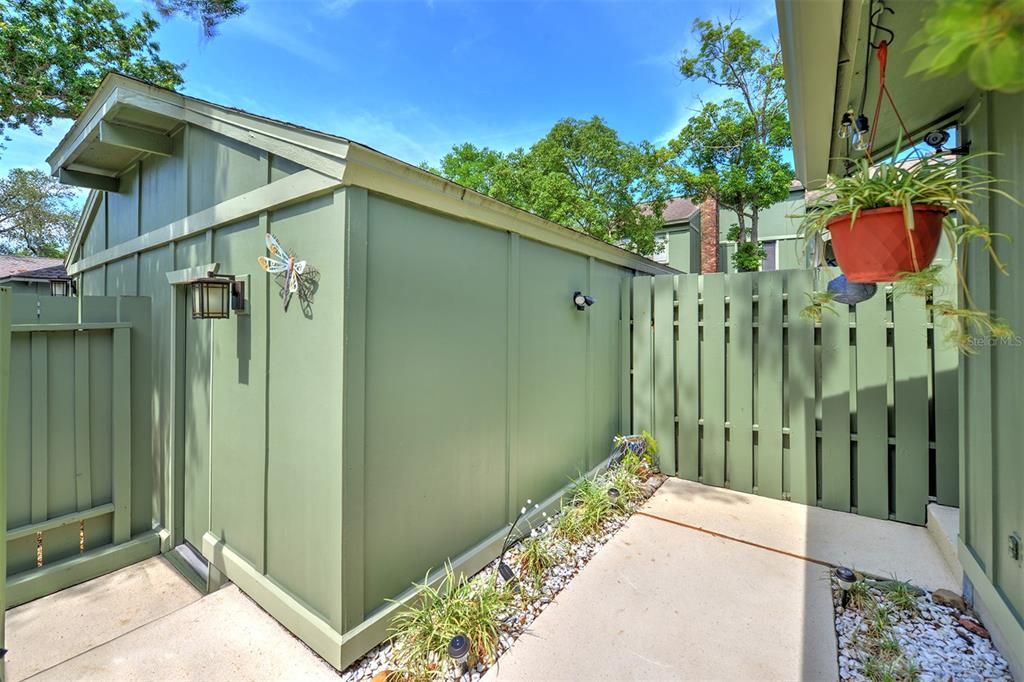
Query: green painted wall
[993, 470]
[33, 288]
[227, 367]
[484, 386]
[442, 375]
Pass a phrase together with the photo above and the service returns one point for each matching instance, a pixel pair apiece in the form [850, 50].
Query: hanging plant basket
[878, 246]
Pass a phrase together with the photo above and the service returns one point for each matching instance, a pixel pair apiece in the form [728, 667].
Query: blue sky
[414, 77]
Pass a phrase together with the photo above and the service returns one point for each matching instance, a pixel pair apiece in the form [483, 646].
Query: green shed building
[431, 373]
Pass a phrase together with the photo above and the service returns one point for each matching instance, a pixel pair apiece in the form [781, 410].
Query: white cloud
[412, 137]
[288, 38]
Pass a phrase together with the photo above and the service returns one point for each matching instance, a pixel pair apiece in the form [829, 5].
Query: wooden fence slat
[643, 362]
[768, 403]
[799, 466]
[739, 371]
[688, 378]
[945, 364]
[40, 445]
[744, 374]
[665, 372]
[872, 408]
[911, 390]
[713, 384]
[835, 408]
[83, 458]
[625, 351]
[122, 435]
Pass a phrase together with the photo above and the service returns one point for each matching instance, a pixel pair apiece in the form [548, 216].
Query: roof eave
[810, 35]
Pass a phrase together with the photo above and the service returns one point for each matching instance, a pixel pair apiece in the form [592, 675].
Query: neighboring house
[32, 275]
[824, 47]
[776, 229]
[677, 243]
[693, 237]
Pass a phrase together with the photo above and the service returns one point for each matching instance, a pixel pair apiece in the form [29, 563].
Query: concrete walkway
[667, 598]
[666, 601]
[146, 622]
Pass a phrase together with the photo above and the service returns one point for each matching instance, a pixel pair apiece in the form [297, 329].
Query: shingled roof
[31, 267]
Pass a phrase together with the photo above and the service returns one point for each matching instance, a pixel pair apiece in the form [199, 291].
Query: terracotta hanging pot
[879, 246]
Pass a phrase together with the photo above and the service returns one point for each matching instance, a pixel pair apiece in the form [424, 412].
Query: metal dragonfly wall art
[295, 277]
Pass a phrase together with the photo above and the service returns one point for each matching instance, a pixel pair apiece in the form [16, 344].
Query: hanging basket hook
[874, 26]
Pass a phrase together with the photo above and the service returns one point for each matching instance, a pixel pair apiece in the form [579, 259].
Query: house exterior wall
[273, 459]
[483, 386]
[992, 508]
[442, 377]
[40, 288]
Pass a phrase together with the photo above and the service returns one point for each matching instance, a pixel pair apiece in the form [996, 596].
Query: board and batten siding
[273, 422]
[477, 383]
[442, 377]
[992, 383]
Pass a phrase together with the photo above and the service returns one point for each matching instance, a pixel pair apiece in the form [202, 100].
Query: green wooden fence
[76, 366]
[856, 413]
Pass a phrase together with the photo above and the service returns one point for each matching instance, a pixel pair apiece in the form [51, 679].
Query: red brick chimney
[709, 235]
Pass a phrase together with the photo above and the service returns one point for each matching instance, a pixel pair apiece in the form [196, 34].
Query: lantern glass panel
[210, 299]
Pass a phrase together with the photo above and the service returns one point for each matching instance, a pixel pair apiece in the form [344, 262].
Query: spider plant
[955, 183]
[818, 302]
[421, 632]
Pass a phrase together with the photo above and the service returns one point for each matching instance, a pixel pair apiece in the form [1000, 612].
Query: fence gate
[857, 412]
[79, 467]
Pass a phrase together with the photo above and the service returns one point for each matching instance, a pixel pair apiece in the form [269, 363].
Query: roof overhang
[129, 119]
[824, 52]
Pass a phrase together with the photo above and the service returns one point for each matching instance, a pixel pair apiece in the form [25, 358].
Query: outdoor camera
[582, 301]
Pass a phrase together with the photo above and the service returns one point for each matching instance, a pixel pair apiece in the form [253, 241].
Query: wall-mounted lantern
[582, 301]
[61, 287]
[215, 296]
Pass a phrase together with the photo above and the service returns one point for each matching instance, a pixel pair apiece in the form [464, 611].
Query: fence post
[122, 434]
[5, 373]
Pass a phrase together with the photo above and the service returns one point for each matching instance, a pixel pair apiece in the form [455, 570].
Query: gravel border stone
[571, 560]
[941, 641]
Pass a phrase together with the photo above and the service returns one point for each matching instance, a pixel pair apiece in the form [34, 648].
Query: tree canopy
[37, 214]
[581, 174]
[54, 53]
[732, 150]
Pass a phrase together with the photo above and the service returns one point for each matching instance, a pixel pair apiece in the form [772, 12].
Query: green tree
[732, 150]
[54, 53]
[37, 214]
[209, 13]
[581, 175]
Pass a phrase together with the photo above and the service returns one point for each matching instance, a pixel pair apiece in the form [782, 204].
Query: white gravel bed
[934, 638]
[572, 559]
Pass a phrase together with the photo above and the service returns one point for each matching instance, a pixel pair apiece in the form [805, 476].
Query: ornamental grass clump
[537, 554]
[457, 606]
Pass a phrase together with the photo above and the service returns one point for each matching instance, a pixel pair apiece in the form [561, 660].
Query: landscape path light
[458, 650]
[846, 578]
